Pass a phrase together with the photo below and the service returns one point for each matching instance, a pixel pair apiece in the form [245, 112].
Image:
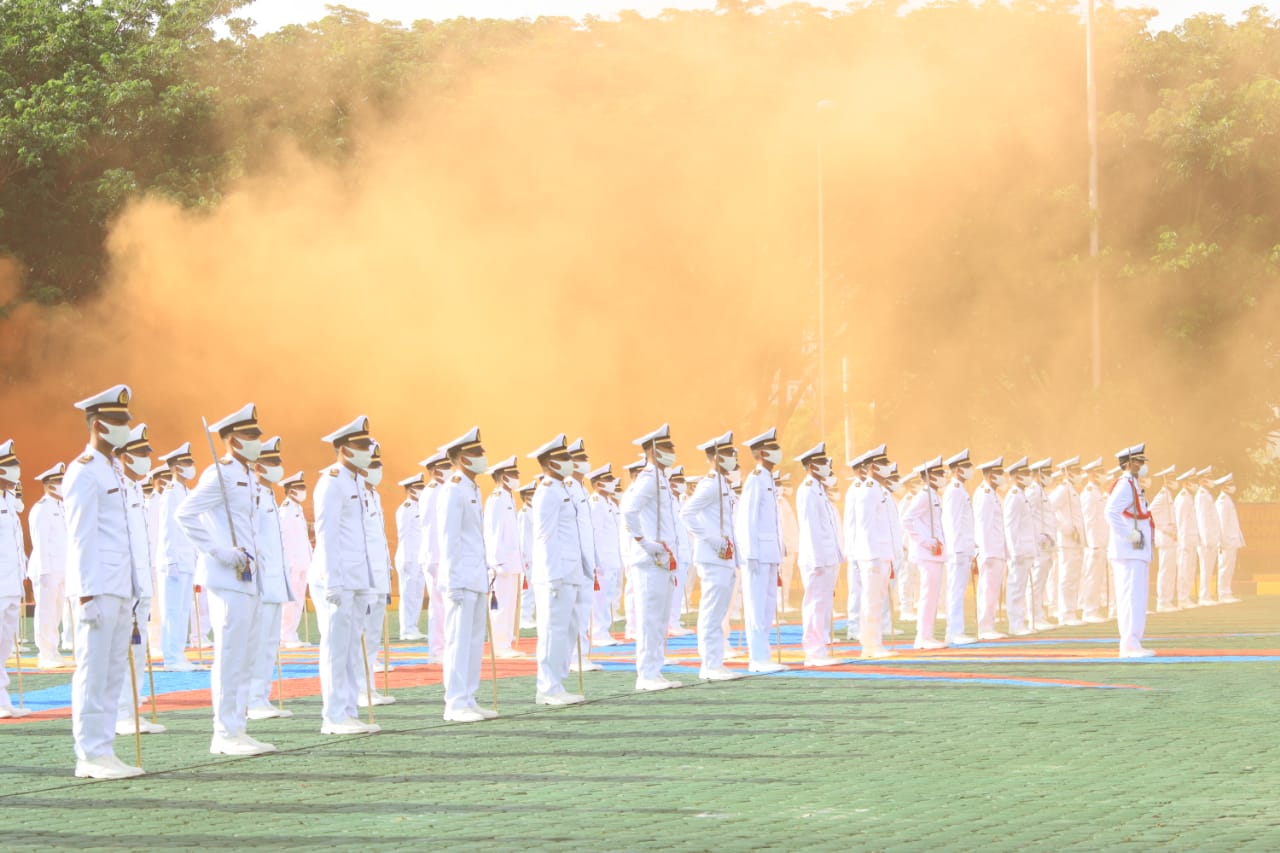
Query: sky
[273, 14]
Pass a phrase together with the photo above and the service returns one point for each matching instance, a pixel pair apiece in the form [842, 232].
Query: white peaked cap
[509, 462]
[181, 451]
[577, 447]
[1016, 465]
[1204, 472]
[434, 459]
[359, 428]
[1185, 475]
[959, 459]
[557, 443]
[245, 416]
[1164, 472]
[415, 480]
[53, 473]
[296, 477]
[1089, 466]
[725, 440]
[771, 434]
[658, 434]
[605, 470]
[113, 400]
[1222, 481]
[1073, 462]
[998, 462]
[1041, 464]
[819, 449]
[462, 442]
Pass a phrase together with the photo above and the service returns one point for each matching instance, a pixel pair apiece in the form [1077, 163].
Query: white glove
[231, 558]
[89, 613]
[656, 550]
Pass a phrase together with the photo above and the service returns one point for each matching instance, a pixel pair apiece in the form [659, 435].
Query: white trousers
[759, 608]
[124, 704]
[583, 621]
[291, 612]
[1208, 566]
[1093, 593]
[51, 606]
[815, 609]
[907, 576]
[1226, 570]
[927, 603]
[1019, 581]
[464, 625]
[340, 616]
[875, 594]
[653, 608]
[264, 653]
[556, 604]
[411, 584]
[713, 612]
[235, 638]
[1167, 577]
[506, 586]
[10, 609]
[990, 583]
[102, 657]
[528, 604]
[1130, 578]
[435, 614]
[602, 602]
[957, 581]
[787, 571]
[1040, 590]
[1186, 575]
[679, 593]
[630, 628]
[200, 604]
[1070, 565]
[370, 627]
[853, 602]
[177, 617]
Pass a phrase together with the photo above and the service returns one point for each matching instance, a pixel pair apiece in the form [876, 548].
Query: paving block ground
[1043, 743]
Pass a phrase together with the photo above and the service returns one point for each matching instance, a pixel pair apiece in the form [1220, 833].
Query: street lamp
[822, 107]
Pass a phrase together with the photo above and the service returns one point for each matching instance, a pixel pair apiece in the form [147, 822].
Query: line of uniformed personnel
[582, 551]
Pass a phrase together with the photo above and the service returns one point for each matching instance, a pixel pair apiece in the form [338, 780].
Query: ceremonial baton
[195, 606]
[368, 682]
[279, 681]
[151, 681]
[136, 639]
[17, 656]
[493, 656]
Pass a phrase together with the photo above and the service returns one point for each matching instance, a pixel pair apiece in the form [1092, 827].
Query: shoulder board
[86, 459]
[225, 461]
[333, 472]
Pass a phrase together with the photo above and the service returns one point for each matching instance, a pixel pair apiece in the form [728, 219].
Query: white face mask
[997, 480]
[665, 458]
[360, 458]
[827, 480]
[1142, 471]
[56, 491]
[273, 473]
[822, 471]
[139, 465]
[933, 482]
[511, 483]
[582, 467]
[116, 435]
[883, 471]
[728, 464]
[563, 467]
[250, 448]
[476, 464]
[608, 486]
[299, 495]
[186, 472]
[373, 475]
[679, 489]
[1231, 490]
[13, 473]
[773, 457]
[964, 474]
[1023, 482]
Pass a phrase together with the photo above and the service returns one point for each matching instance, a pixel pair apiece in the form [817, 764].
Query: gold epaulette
[86, 459]
[333, 472]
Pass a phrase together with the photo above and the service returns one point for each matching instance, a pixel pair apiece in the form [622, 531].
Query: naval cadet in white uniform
[559, 569]
[13, 560]
[101, 583]
[375, 542]
[464, 578]
[268, 472]
[758, 535]
[340, 577]
[606, 521]
[989, 537]
[176, 561]
[926, 538]
[1022, 543]
[959, 545]
[819, 556]
[438, 468]
[47, 567]
[1132, 531]
[876, 547]
[709, 514]
[221, 518]
[502, 553]
[410, 580]
[650, 516]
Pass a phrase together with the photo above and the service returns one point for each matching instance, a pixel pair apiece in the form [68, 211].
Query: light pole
[1091, 100]
[822, 286]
